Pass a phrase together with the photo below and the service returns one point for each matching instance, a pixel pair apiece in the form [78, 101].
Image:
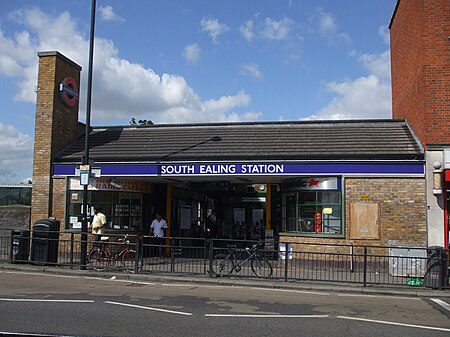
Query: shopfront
[229, 200]
[123, 201]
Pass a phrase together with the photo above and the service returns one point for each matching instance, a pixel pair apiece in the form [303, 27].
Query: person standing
[98, 223]
[157, 228]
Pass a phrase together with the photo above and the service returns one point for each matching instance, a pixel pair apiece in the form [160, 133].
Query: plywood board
[364, 220]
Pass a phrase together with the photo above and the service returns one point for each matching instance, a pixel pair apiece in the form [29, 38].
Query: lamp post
[85, 160]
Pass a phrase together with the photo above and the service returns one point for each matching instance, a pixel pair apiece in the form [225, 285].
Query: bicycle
[101, 258]
[226, 264]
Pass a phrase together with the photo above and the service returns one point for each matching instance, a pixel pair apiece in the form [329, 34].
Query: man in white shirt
[158, 226]
[157, 230]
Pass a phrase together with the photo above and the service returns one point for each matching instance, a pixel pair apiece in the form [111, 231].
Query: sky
[187, 61]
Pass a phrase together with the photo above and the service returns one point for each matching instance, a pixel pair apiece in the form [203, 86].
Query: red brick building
[420, 59]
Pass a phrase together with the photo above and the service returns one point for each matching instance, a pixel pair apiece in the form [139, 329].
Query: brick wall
[402, 203]
[14, 217]
[56, 126]
[420, 66]
[59, 200]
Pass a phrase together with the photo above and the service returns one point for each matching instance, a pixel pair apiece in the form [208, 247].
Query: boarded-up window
[364, 220]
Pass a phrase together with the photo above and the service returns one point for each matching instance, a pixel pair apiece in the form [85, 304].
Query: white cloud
[383, 32]
[327, 27]
[365, 97]
[377, 64]
[213, 27]
[247, 30]
[107, 14]
[157, 97]
[192, 53]
[121, 89]
[251, 70]
[277, 30]
[16, 154]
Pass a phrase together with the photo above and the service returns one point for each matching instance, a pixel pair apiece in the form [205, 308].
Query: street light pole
[85, 160]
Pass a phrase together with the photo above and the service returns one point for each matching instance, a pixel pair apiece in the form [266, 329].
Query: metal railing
[365, 265]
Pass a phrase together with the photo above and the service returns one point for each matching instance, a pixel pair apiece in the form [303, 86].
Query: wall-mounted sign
[364, 198]
[327, 211]
[69, 91]
[254, 169]
[312, 183]
[107, 184]
[447, 159]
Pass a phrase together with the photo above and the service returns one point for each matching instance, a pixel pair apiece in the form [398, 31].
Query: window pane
[101, 197]
[313, 212]
[306, 197]
[123, 210]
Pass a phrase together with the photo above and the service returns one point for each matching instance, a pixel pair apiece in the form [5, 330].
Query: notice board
[364, 221]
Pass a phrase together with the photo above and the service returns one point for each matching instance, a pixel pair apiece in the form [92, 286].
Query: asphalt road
[89, 306]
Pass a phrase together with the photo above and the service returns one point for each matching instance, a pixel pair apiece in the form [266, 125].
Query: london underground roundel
[69, 91]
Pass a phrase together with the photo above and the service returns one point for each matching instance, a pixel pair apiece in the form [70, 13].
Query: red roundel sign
[69, 91]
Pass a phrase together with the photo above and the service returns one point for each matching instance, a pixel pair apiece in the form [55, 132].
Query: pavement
[315, 286]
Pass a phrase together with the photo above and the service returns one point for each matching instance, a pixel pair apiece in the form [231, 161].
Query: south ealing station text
[200, 169]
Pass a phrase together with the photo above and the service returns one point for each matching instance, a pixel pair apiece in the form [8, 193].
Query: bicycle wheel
[261, 267]
[96, 260]
[223, 265]
[128, 260]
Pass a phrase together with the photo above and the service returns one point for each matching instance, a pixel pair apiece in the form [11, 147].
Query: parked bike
[226, 264]
[101, 258]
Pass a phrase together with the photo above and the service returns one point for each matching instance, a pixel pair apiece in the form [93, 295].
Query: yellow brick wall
[402, 203]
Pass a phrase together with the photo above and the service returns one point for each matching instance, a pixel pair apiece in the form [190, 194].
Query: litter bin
[20, 241]
[436, 275]
[44, 245]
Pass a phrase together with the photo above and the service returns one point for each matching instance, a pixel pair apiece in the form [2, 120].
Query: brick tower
[420, 58]
[56, 126]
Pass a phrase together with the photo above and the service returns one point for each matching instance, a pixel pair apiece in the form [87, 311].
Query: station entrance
[221, 210]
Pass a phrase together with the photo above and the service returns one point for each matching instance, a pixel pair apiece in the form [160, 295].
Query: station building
[311, 182]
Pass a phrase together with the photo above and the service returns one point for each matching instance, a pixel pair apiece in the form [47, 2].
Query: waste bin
[20, 241]
[436, 275]
[44, 245]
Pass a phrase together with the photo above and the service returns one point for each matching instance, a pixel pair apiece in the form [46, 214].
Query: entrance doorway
[221, 210]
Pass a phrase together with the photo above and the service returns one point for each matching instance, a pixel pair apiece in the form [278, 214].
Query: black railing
[366, 265]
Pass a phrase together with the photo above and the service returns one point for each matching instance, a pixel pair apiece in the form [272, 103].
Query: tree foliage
[141, 122]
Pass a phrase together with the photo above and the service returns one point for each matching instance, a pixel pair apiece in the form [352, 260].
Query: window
[123, 210]
[15, 196]
[312, 212]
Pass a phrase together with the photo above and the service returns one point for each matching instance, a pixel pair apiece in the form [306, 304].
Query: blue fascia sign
[253, 168]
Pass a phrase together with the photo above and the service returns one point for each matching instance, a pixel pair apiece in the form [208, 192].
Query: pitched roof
[306, 140]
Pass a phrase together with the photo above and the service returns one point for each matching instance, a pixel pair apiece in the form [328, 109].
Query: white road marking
[150, 308]
[41, 274]
[9, 333]
[294, 291]
[394, 323]
[266, 316]
[44, 300]
[443, 304]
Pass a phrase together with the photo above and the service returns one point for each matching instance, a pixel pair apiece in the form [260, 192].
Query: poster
[258, 216]
[239, 216]
[185, 217]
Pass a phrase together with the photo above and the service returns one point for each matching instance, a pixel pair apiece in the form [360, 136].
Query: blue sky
[184, 61]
